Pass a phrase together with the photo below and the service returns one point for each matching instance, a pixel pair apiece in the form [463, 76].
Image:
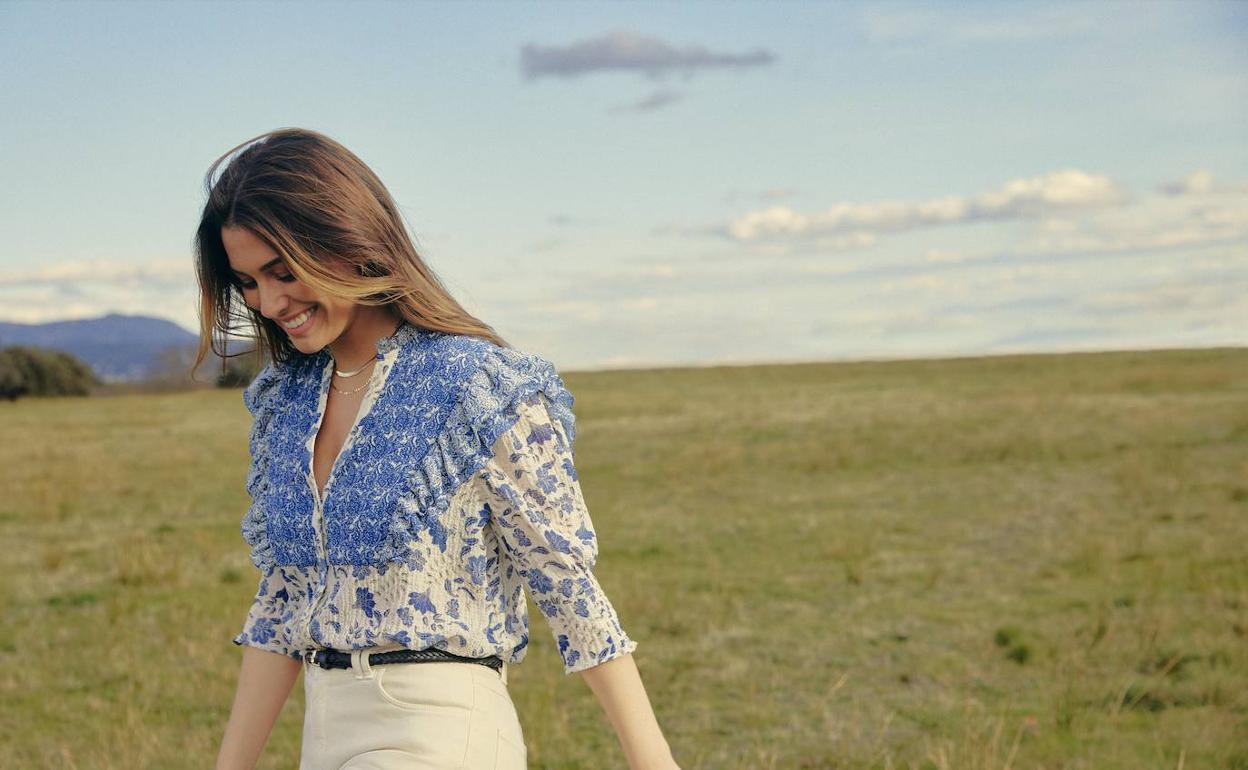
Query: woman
[411, 474]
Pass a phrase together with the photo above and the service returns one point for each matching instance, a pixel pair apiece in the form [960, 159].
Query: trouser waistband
[328, 658]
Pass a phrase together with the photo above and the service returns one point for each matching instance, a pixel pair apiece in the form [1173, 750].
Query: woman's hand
[664, 764]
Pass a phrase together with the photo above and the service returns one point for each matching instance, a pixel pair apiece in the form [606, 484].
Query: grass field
[1007, 562]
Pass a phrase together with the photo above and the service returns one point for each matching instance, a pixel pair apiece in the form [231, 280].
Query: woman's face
[273, 291]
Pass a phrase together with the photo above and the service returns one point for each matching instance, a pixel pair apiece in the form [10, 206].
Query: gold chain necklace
[357, 371]
[352, 374]
[354, 390]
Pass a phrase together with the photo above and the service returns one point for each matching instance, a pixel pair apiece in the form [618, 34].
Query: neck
[358, 344]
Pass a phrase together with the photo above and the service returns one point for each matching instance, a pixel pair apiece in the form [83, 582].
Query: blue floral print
[454, 490]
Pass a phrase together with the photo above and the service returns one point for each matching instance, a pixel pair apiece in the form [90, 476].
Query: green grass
[1007, 562]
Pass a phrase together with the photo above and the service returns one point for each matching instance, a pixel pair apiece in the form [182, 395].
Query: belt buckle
[309, 657]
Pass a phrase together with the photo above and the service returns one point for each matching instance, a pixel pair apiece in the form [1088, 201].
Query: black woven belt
[327, 658]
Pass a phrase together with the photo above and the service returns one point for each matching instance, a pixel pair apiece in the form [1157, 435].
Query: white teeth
[299, 319]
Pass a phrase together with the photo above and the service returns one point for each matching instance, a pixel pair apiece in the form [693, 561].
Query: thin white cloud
[166, 272]
[1037, 24]
[546, 244]
[945, 25]
[1159, 223]
[886, 26]
[777, 193]
[1069, 214]
[1017, 199]
[944, 256]
[1166, 297]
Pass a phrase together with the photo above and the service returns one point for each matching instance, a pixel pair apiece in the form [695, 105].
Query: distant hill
[118, 348]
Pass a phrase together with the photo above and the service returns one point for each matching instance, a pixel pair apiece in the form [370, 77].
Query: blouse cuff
[586, 626]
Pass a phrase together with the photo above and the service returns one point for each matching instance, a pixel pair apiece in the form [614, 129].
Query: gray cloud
[654, 101]
[1202, 182]
[628, 51]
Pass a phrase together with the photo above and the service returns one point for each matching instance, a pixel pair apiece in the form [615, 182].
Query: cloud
[777, 193]
[1202, 182]
[771, 310]
[575, 310]
[889, 320]
[1195, 294]
[628, 51]
[1183, 221]
[945, 256]
[1040, 23]
[893, 26]
[546, 244]
[88, 288]
[654, 101]
[162, 272]
[889, 26]
[1017, 199]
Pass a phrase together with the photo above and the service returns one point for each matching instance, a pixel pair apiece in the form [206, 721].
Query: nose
[274, 303]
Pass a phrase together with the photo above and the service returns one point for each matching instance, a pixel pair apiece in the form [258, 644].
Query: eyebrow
[263, 267]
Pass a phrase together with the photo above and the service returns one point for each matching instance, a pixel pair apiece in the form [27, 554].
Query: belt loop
[359, 662]
[502, 672]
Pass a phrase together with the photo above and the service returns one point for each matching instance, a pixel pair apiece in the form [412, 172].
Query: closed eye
[287, 278]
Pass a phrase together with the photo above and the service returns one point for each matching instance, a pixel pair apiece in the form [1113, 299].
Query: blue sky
[638, 184]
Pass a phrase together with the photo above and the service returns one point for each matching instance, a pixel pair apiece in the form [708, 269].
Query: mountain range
[117, 347]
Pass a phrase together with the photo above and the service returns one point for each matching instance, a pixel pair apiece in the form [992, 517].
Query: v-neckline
[327, 377]
[384, 346]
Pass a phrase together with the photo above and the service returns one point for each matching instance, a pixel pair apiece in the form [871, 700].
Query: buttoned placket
[384, 364]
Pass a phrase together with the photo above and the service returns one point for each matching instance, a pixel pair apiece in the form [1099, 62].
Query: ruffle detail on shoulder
[487, 406]
[263, 399]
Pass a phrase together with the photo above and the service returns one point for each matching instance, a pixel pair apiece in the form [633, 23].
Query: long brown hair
[315, 203]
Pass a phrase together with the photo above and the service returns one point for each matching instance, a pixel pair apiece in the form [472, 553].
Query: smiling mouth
[299, 321]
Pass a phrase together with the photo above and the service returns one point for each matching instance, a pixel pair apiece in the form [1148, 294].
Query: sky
[614, 185]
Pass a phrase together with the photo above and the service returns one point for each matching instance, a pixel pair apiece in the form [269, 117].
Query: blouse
[454, 490]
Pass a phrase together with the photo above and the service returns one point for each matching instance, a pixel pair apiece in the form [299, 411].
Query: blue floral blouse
[454, 490]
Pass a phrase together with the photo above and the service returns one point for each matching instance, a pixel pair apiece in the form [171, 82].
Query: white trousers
[409, 716]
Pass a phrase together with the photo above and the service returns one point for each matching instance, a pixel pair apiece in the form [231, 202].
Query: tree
[31, 371]
[239, 370]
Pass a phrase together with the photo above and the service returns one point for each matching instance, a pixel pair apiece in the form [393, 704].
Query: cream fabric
[409, 716]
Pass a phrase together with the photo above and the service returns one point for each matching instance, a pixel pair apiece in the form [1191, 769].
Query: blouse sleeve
[539, 514]
[267, 625]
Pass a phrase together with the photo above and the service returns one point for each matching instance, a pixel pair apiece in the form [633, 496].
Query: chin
[304, 345]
